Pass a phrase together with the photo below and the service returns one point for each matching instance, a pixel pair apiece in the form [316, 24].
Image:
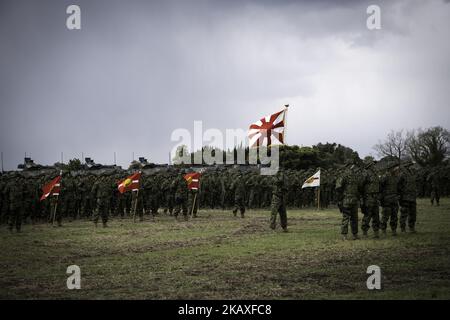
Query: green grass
[217, 256]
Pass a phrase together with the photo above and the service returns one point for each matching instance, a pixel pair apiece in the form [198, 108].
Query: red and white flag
[193, 180]
[270, 128]
[52, 188]
[131, 183]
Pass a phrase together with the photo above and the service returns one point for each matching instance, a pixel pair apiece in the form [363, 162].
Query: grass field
[217, 256]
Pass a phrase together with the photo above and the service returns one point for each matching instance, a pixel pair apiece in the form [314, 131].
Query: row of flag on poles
[130, 183]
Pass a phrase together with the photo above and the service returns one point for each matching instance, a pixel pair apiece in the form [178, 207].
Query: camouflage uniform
[179, 185]
[408, 194]
[238, 186]
[370, 207]
[434, 180]
[152, 195]
[101, 192]
[389, 201]
[348, 185]
[68, 196]
[15, 193]
[278, 204]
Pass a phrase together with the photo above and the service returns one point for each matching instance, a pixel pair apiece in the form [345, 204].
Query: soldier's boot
[95, 224]
[105, 225]
[242, 215]
[376, 234]
[285, 229]
[235, 212]
[355, 237]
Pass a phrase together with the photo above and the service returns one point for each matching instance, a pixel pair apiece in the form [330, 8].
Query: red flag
[130, 183]
[193, 180]
[269, 127]
[52, 188]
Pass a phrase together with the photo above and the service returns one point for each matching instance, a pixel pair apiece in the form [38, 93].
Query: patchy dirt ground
[217, 256]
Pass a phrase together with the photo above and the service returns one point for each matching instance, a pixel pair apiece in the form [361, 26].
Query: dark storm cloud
[140, 69]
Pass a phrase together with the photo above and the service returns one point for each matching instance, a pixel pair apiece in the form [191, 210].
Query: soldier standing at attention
[180, 187]
[238, 185]
[408, 194]
[151, 195]
[15, 194]
[389, 199]
[370, 205]
[101, 193]
[434, 180]
[348, 185]
[278, 204]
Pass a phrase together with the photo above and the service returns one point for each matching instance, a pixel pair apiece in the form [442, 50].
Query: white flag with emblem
[313, 181]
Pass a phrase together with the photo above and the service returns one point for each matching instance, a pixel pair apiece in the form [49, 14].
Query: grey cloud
[140, 69]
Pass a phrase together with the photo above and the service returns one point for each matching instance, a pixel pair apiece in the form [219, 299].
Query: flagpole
[54, 211]
[135, 205]
[318, 198]
[286, 106]
[193, 203]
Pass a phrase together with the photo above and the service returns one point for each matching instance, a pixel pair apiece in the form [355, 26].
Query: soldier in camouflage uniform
[238, 186]
[370, 204]
[119, 209]
[408, 194]
[389, 199]
[152, 194]
[15, 195]
[435, 183]
[101, 192]
[348, 185]
[179, 185]
[278, 204]
[168, 192]
[68, 195]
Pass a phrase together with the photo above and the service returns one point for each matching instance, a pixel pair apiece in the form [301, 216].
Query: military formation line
[353, 187]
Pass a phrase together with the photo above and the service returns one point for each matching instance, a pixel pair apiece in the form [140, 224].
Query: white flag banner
[313, 181]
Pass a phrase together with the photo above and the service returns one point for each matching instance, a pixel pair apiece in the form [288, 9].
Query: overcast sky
[137, 70]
